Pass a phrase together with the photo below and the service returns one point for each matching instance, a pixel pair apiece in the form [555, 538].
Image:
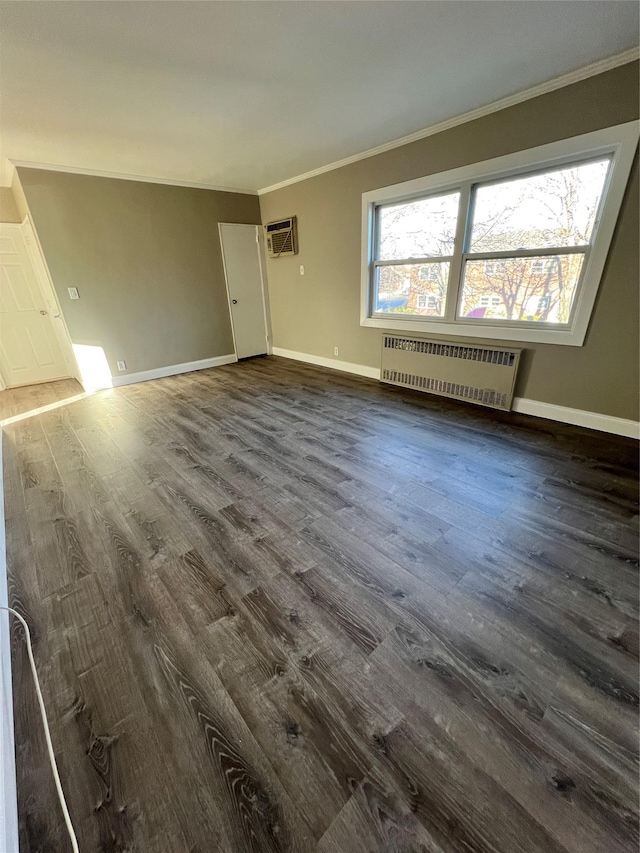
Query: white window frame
[619, 142]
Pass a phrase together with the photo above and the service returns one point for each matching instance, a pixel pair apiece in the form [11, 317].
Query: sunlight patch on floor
[42, 409]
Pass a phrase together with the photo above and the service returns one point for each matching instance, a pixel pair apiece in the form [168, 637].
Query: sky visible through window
[418, 229]
[542, 211]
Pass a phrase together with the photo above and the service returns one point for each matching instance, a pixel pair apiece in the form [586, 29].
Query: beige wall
[8, 207]
[314, 313]
[146, 261]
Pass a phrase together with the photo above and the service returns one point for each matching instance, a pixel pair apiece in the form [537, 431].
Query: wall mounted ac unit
[476, 374]
[282, 237]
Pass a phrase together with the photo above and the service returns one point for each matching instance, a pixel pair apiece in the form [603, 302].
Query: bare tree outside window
[551, 210]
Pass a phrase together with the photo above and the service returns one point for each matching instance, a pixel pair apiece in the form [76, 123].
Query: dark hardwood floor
[277, 608]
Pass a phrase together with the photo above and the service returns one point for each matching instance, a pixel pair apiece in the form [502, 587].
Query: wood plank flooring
[19, 401]
[278, 608]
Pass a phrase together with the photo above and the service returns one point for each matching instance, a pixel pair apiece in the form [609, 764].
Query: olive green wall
[146, 261]
[8, 207]
[314, 313]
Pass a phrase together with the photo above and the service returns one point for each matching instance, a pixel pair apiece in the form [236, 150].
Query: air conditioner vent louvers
[281, 242]
[483, 375]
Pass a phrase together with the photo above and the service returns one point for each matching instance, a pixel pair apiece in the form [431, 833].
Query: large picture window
[512, 248]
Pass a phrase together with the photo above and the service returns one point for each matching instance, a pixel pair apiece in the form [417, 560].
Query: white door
[243, 271]
[29, 348]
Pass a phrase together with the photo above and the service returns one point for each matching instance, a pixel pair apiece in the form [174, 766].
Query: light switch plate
[73, 293]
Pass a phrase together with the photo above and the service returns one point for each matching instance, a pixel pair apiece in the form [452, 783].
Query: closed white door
[29, 348]
[243, 271]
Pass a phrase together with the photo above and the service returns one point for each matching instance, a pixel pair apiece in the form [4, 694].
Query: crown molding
[511, 100]
[121, 176]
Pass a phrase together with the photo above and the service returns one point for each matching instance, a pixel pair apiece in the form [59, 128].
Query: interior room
[319, 399]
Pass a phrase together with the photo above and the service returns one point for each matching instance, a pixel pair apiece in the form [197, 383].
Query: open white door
[29, 348]
[245, 288]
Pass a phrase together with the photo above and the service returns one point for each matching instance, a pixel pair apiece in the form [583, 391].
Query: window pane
[539, 211]
[412, 289]
[418, 229]
[526, 289]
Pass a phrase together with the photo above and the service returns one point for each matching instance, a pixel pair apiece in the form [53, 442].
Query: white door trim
[226, 285]
[265, 288]
[261, 265]
[36, 255]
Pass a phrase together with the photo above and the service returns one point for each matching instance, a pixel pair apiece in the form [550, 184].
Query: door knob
[43, 312]
[235, 302]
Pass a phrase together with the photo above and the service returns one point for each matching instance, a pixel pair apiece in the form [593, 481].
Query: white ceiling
[247, 94]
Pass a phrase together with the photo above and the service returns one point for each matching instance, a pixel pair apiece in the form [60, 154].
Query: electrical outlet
[73, 293]
[335, 350]
[122, 365]
[301, 269]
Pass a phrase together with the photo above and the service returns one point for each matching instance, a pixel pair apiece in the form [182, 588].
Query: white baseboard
[173, 370]
[577, 417]
[331, 363]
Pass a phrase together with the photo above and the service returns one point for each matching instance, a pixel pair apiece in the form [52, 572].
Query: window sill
[564, 336]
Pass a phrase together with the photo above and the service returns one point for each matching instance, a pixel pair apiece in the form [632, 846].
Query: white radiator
[483, 375]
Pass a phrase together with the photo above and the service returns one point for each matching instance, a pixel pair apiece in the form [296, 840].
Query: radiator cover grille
[483, 375]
